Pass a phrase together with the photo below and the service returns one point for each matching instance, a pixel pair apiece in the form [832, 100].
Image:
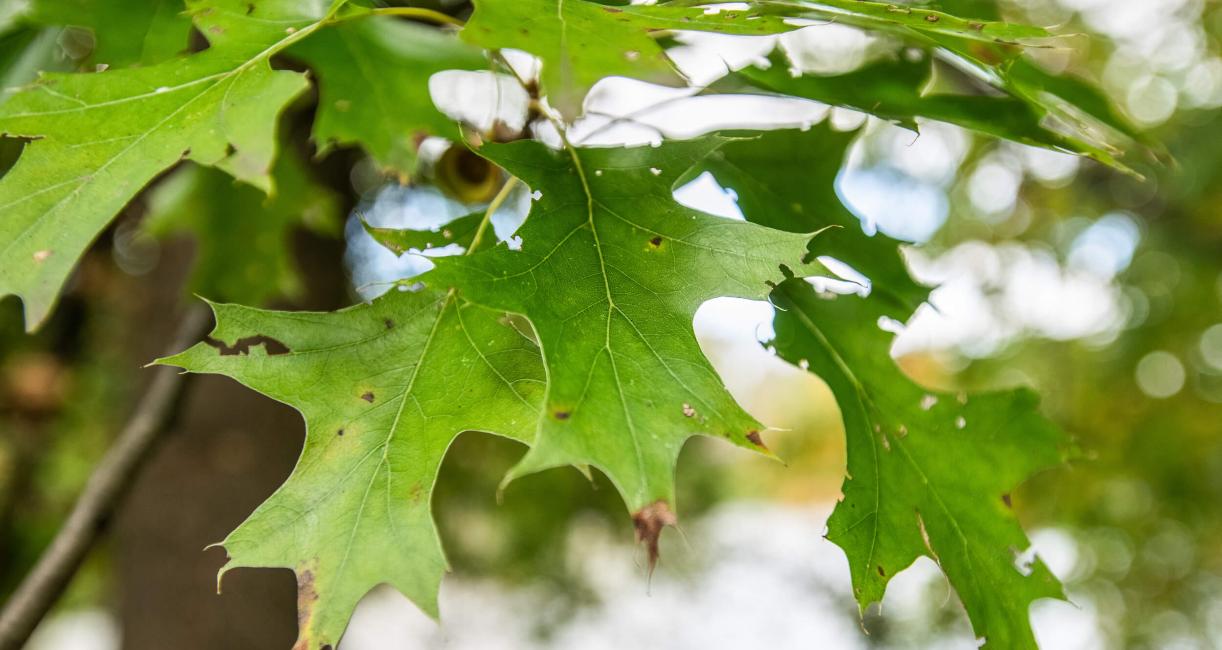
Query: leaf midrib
[611, 308]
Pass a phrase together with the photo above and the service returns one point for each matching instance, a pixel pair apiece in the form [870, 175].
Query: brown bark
[232, 448]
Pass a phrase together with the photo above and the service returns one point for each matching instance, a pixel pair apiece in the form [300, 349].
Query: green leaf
[928, 473]
[373, 78]
[400, 240]
[610, 273]
[385, 388]
[1036, 107]
[102, 137]
[896, 18]
[1069, 102]
[126, 32]
[986, 9]
[243, 236]
[894, 90]
[786, 180]
[724, 19]
[579, 42]
[1066, 96]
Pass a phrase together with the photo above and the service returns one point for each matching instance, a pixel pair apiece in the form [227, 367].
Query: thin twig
[106, 487]
[499, 199]
[418, 13]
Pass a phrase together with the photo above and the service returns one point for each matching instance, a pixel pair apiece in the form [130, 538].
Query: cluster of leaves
[578, 342]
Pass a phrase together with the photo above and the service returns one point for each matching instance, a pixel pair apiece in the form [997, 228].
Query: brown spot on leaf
[416, 493]
[340, 433]
[976, 26]
[649, 522]
[655, 242]
[1005, 498]
[613, 10]
[561, 414]
[243, 345]
[931, 18]
[754, 437]
[306, 597]
[390, 324]
[368, 397]
[881, 572]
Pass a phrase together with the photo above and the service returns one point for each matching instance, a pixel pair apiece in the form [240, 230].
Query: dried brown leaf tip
[649, 522]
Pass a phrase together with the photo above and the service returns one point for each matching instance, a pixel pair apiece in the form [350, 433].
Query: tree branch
[106, 487]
